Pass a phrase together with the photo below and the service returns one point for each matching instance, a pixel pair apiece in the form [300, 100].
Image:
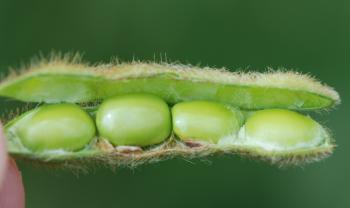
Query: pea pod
[144, 112]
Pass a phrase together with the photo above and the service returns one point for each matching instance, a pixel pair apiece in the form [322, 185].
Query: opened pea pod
[129, 114]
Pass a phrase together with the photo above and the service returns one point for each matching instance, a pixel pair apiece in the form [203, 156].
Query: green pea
[204, 121]
[136, 119]
[278, 129]
[55, 127]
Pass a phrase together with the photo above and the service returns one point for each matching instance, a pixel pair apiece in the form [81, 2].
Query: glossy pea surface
[135, 119]
[279, 129]
[205, 121]
[56, 127]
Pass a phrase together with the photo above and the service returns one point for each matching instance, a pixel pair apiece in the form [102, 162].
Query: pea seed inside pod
[55, 127]
[205, 121]
[279, 130]
[135, 119]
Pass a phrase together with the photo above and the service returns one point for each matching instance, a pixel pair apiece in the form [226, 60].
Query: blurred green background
[310, 36]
